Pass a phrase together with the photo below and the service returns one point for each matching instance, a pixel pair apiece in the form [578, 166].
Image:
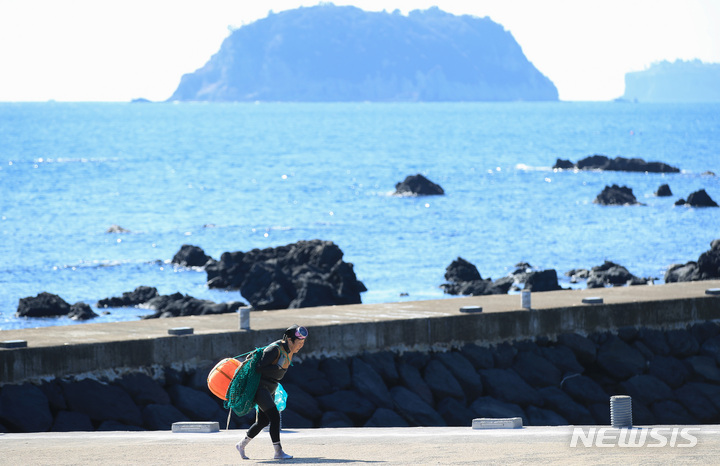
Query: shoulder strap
[261, 349]
[250, 352]
[280, 352]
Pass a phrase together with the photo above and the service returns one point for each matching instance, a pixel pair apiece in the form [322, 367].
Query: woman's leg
[270, 414]
[261, 420]
[266, 403]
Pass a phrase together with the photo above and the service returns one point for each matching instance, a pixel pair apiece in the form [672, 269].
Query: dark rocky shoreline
[672, 375]
[462, 278]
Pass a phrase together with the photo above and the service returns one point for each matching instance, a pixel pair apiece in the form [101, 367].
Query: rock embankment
[672, 376]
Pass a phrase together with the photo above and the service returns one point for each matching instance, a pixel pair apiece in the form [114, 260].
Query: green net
[241, 393]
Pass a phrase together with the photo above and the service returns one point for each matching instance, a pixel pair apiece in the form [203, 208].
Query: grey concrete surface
[354, 446]
[356, 313]
[361, 446]
[348, 330]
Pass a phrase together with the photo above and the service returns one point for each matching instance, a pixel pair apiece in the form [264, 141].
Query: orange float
[221, 375]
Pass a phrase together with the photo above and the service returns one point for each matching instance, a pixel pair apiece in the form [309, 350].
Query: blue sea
[233, 177]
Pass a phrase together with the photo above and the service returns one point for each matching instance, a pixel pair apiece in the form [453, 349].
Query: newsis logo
[634, 437]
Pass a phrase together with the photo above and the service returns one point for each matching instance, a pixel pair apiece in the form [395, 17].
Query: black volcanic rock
[51, 305]
[25, 408]
[463, 278]
[162, 416]
[370, 384]
[342, 53]
[506, 385]
[687, 272]
[698, 199]
[178, 305]
[140, 295]
[707, 267]
[663, 191]
[191, 256]
[461, 270]
[542, 280]
[417, 185]
[303, 274]
[172, 305]
[536, 370]
[612, 274]
[101, 401]
[116, 229]
[81, 311]
[603, 162]
[413, 409]
[563, 164]
[616, 195]
[620, 360]
[43, 305]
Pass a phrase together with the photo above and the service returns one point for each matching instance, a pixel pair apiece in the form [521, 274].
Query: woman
[273, 364]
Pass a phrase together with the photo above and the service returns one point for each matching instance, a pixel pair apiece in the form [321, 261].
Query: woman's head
[295, 333]
[295, 337]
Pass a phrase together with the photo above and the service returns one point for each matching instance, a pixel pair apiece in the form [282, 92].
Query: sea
[239, 176]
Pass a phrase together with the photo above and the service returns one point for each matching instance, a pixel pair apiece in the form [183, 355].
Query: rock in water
[140, 295]
[191, 256]
[43, 305]
[81, 311]
[418, 185]
[303, 274]
[463, 278]
[707, 267]
[616, 195]
[663, 191]
[116, 229]
[699, 199]
[603, 162]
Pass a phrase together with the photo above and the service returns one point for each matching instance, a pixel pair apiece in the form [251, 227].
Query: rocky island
[679, 81]
[329, 53]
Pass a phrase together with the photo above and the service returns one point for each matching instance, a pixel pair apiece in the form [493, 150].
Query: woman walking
[273, 364]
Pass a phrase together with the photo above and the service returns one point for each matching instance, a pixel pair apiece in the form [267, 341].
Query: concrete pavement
[358, 313]
[356, 446]
[394, 446]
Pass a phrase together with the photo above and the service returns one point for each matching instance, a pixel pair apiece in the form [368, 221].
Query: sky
[111, 50]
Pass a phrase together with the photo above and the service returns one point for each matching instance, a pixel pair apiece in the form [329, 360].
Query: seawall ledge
[347, 330]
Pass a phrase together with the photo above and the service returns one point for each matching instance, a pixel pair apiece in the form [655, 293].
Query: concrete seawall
[349, 330]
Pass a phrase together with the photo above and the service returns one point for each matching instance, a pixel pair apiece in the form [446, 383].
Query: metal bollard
[525, 300]
[244, 318]
[621, 411]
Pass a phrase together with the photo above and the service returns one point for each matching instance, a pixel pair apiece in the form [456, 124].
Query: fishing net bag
[240, 397]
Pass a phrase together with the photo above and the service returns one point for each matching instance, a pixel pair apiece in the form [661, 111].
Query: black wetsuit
[272, 366]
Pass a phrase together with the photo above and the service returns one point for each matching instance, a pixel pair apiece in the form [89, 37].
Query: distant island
[681, 81]
[342, 53]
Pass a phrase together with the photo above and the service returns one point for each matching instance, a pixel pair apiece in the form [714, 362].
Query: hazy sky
[111, 50]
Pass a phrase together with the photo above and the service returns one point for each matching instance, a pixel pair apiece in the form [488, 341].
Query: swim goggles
[301, 333]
